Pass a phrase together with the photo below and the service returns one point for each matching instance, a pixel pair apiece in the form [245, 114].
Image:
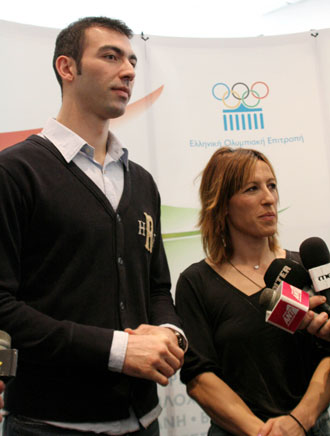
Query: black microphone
[315, 257]
[8, 357]
[282, 270]
[288, 271]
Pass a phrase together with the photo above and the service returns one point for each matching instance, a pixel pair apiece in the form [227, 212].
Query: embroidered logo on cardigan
[146, 228]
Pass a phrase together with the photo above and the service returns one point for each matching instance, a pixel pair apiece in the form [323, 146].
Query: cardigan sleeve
[162, 306]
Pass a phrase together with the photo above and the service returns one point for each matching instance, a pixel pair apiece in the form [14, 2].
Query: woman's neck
[253, 256]
[254, 252]
[246, 268]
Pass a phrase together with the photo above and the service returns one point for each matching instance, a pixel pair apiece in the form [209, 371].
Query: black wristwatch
[181, 340]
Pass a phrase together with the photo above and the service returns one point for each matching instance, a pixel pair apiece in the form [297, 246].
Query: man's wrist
[182, 342]
[177, 330]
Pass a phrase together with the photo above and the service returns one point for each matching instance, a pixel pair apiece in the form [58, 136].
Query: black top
[267, 367]
[72, 271]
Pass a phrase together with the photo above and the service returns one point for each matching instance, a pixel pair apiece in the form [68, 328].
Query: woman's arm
[312, 404]
[317, 396]
[223, 405]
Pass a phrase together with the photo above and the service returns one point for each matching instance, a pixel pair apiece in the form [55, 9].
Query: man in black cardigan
[84, 281]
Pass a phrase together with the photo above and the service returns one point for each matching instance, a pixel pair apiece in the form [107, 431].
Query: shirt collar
[69, 143]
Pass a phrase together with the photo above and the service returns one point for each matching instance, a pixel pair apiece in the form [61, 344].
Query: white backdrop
[175, 121]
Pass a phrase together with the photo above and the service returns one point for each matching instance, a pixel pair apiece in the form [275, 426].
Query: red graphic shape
[10, 138]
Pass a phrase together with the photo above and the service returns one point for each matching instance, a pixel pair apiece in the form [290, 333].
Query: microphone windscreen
[267, 298]
[314, 252]
[289, 271]
[5, 340]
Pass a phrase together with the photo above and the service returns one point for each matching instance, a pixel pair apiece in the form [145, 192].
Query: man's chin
[116, 112]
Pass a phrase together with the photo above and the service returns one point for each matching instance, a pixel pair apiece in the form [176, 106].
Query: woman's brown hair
[226, 173]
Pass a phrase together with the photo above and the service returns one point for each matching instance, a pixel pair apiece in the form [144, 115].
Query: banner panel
[191, 97]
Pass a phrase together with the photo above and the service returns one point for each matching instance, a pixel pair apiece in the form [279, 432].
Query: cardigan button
[122, 305]
[118, 218]
[120, 260]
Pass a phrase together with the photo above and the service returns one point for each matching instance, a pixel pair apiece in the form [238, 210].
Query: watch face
[181, 341]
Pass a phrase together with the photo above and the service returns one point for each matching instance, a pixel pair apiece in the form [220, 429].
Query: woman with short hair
[250, 377]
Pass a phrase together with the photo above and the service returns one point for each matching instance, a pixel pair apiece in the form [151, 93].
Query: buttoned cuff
[118, 351]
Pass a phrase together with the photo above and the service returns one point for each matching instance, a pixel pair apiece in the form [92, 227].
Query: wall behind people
[192, 96]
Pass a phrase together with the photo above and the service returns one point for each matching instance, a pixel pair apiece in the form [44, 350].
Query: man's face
[107, 74]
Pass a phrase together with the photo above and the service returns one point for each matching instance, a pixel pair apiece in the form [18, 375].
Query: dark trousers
[15, 425]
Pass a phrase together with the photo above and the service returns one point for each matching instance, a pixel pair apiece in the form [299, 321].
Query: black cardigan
[72, 271]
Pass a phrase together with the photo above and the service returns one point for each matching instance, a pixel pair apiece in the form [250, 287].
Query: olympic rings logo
[240, 92]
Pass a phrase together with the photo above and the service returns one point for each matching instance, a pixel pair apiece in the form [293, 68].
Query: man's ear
[66, 68]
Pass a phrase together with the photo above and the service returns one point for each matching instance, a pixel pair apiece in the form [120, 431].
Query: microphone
[294, 274]
[289, 271]
[269, 298]
[285, 303]
[315, 257]
[8, 357]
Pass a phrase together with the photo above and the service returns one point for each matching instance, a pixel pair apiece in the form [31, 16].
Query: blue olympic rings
[241, 98]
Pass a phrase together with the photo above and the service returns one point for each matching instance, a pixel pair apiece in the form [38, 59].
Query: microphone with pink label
[285, 304]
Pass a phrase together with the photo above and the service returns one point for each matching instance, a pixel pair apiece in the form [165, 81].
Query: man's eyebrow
[117, 50]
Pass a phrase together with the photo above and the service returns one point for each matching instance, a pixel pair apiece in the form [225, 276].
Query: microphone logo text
[289, 314]
[323, 277]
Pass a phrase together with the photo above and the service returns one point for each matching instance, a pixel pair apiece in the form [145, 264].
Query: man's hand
[152, 353]
[316, 324]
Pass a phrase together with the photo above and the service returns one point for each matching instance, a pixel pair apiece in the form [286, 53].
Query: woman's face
[253, 210]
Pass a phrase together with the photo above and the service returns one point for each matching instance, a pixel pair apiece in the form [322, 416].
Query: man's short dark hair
[70, 41]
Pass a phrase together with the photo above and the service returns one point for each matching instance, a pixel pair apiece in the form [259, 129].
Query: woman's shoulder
[200, 278]
[197, 275]
[194, 269]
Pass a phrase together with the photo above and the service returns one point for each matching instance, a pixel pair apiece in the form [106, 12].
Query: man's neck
[94, 131]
